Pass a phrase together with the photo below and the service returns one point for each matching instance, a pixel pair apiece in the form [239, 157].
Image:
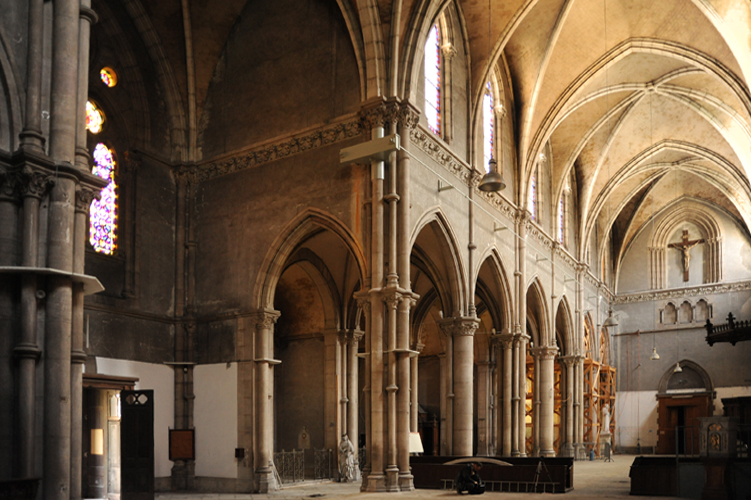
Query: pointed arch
[502, 316]
[537, 309]
[11, 120]
[295, 232]
[565, 325]
[451, 281]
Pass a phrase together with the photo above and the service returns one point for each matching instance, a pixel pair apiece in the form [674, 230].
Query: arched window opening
[561, 220]
[433, 79]
[103, 212]
[488, 125]
[108, 76]
[533, 196]
[94, 118]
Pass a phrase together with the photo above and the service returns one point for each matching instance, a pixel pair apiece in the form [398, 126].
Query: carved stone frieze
[701, 290]
[544, 240]
[288, 147]
[431, 147]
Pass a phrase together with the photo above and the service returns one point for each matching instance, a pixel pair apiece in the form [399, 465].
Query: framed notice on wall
[182, 444]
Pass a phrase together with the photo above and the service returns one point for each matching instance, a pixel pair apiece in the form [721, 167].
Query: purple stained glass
[103, 212]
[433, 80]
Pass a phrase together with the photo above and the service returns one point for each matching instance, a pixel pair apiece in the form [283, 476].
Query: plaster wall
[160, 379]
[215, 418]
[636, 419]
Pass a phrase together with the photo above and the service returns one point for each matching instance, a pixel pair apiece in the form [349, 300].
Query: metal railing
[324, 464]
[290, 465]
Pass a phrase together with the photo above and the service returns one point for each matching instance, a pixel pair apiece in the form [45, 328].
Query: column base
[183, 475]
[373, 483]
[265, 480]
[568, 450]
[392, 479]
[547, 453]
[580, 451]
[406, 481]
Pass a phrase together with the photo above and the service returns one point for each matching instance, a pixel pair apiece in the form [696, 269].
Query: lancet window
[103, 212]
[433, 63]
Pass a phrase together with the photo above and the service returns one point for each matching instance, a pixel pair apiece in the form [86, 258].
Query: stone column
[376, 479]
[507, 348]
[516, 400]
[462, 330]
[31, 136]
[9, 247]
[264, 390]
[353, 396]
[392, 469]
[33, 187]
[484, 394]
[363, 300]
[567, 364]
[331, 394]
[57, 407]
[579, 406]
[536, 402]
[547, 399]
[404, 369]
[414, 422]
[522, 391]
[84, 197]
[446, 400]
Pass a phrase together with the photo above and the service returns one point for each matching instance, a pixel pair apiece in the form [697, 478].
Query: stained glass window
[433, 79]
[103, 212]
[533, 196]
[108, 76]
[488, 124]
[94, 118]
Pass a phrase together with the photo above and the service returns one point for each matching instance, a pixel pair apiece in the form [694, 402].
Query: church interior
[233, 232]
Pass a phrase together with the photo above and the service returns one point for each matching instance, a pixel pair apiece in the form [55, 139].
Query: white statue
[605, 419]
[347, 467]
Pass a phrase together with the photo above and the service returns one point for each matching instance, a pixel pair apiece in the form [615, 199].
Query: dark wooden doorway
[683, 413]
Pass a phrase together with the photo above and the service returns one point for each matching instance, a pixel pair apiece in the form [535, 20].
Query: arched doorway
[683, 397]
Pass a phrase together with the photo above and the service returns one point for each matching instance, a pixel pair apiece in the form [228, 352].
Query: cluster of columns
[46, 188]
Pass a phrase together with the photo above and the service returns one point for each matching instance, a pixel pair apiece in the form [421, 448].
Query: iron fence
[290, 465]
[325, 464]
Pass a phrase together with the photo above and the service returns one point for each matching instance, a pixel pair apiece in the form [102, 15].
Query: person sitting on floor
[468, 480]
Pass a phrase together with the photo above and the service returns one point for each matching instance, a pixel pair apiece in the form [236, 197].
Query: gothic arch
[696, 214]
[10, 102]
[319, 273]
[296, 231]
[564, 324]
[451, 281]
[698, 378]
[537, 308]
[502, 316]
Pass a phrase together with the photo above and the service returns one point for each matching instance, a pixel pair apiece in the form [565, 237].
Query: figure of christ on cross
[685, 247]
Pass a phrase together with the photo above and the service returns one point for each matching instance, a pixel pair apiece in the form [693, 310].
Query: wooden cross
[685, 246]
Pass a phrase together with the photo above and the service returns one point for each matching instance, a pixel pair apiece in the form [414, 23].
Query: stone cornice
[695, 291]
[426, 142]
[289, 146]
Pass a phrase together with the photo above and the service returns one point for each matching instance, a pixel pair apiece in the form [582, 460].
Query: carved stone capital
[265, 320]
[503, 340]
[568, 361]
[9, 181]
[409, 116]
[355, 336]
[545, 353]
[392, 298]
[84, 197]
[460, 326]
[34, 183]
[448, 51]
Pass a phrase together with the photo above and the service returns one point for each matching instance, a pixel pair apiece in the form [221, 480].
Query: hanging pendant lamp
[492, 181]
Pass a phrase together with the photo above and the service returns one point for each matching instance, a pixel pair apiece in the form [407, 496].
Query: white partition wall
[215, 410]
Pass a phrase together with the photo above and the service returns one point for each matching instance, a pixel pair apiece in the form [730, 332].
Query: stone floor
[597, 479]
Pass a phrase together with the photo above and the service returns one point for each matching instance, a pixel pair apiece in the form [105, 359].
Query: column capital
[544, 352]
[84, 196]
[355, 336]
[9, 184]
[363, 300]
[567, 360]
[459, 326]
[409, 116]
[504, 340]
[392, 296]
[265, 318]
[34, 183]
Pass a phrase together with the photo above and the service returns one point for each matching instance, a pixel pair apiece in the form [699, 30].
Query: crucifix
[685, 247]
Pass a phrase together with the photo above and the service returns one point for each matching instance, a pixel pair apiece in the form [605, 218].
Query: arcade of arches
[282, 222]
